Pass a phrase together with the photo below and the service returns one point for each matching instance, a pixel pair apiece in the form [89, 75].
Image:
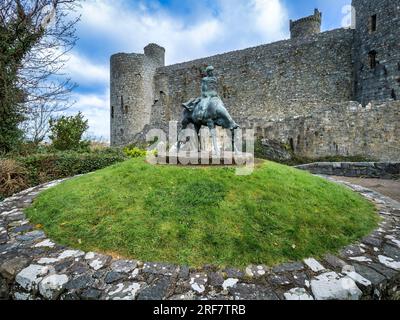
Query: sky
[188, 29]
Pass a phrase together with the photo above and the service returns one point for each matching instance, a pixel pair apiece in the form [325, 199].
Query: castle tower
[132, 91]
[377, 50]
[306, 26]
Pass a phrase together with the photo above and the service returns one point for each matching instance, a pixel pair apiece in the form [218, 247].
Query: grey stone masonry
[340, 129]
[33, 267]
[338, 90]
[132, 91]
[306, 26]
[271, 81]
[377, 50]
[384, 170]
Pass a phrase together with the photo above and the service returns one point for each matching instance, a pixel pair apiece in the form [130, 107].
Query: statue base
[204, 158]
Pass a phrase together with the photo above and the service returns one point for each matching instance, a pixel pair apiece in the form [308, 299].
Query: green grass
[203, 215]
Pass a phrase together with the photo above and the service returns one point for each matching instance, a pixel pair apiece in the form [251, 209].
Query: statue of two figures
[208, 110]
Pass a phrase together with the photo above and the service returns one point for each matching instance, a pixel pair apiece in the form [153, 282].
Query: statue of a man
[209, 89]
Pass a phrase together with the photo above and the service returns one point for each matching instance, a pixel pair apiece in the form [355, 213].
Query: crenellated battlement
[306, 26]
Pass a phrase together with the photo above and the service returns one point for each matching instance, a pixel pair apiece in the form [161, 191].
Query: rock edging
[384, 170]
[32, 267]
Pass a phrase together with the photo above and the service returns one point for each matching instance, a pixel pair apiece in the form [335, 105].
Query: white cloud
[238, 23]
[82, 70]
[272, 18]
[252, 22]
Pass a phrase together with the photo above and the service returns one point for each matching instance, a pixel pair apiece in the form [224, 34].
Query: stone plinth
[205, 158]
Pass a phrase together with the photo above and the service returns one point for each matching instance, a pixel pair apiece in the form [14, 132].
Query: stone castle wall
[341, 129]
[377, 37]
[345, 129]
[269, 82]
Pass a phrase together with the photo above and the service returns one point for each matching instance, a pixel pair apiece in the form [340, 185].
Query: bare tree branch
[39, 34]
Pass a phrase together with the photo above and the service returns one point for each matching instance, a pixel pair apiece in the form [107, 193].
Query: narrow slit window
[112, 112]
[372, 59]
[372, 25]
[291, 142]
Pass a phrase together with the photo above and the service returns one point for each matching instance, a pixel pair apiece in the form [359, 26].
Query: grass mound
[203, 215]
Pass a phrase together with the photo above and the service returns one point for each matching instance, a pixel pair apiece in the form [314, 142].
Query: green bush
[41, 168]
[66, 133]
[48, 167]
[134, 152]
[27, 148]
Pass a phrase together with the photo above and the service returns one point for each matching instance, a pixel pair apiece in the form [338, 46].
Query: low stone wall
[33, 267]
[383, 170]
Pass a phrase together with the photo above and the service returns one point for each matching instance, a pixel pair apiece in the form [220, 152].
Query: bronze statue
[208, 110]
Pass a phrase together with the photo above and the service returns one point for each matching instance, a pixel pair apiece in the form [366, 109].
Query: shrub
[36, 169]
[66, 133]
[27, 148]
[48, 167]
[134, 152]
[12, 177]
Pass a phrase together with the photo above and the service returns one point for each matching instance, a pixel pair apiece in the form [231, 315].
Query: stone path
[34, 267]
[389, 188]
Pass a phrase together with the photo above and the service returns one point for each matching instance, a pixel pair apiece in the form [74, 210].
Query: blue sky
[188, 29]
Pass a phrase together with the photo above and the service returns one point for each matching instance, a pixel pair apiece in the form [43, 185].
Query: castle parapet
[306, 26]
[156, 53]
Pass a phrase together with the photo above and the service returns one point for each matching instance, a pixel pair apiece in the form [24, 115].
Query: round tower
[156, 53]
[132, 92]
[377, 50]
[125, 97]
[306, 26]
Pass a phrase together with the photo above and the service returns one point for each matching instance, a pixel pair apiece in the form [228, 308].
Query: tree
[67, 132]
[35, 37]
